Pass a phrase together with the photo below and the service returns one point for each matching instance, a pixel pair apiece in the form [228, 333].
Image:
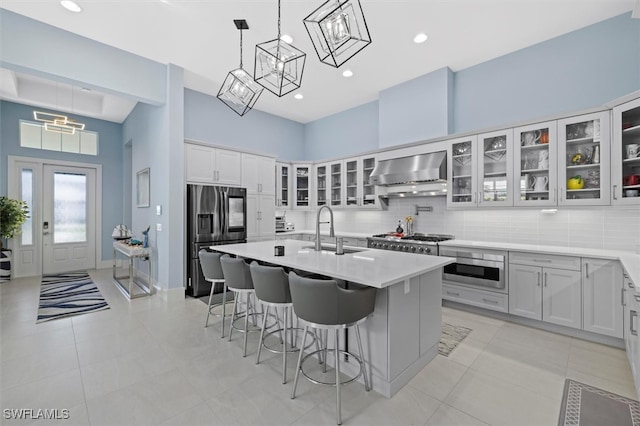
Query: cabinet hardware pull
[538, 279]
[561, 192]
[453, 294]
[489, 301]
[545, 279]
[587, 271]
[631, 284]
[555, 195]
[614, 192]
[637, 297]
[631, 329]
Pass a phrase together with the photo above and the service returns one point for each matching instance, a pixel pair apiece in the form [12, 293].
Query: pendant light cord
[241, 48]
[278, 19]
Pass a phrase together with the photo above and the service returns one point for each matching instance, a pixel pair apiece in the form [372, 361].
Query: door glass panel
[27, 196]
[336, 184]
[583, 160]
[302, 186]
[70, 208]
[495, 169]
[369, 190]
[284, 176]
[352, 183]
[462, 172]
[322, 185]
[534, 164]
[631, 153]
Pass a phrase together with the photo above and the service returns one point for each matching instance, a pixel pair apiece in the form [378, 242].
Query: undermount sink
[332, 248]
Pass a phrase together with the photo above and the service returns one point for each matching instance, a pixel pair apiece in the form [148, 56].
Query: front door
[68, 219]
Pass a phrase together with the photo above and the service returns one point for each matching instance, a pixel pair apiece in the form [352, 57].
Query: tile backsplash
[594, 227]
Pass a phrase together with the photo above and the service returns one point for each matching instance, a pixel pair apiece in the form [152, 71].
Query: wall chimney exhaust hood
[414, 176]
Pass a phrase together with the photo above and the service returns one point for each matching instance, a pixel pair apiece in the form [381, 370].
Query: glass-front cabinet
[321, 185]
[535, 162]
[369, 197]
[495, 168]
[462, 169]
[626, 153]
[283, 184]
[336, 174]
[351, 185]
[584, 160]
[358, 191]
[302, 186]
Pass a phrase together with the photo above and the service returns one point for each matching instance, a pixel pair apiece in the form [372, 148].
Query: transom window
[34, 135]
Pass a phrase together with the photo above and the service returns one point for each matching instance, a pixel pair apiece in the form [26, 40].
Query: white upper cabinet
[462, 171]
[625, 172]
[283, 185]
[584, 160]
[535, 162]
[321, 184]
[358, 192]
[495, 168]
[206, 164]
[257, 174]
[336, 181]
[302, 186]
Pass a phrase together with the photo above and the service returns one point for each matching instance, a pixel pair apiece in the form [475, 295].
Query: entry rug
[584, 405]
[452, 335]
[65, 295]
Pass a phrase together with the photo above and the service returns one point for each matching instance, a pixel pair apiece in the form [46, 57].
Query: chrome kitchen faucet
[331, 232]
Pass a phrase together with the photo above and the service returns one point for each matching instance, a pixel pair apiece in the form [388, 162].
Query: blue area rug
[65, 295]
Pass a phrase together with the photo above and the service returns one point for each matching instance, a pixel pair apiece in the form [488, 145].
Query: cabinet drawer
[545, 260]
[484, 299]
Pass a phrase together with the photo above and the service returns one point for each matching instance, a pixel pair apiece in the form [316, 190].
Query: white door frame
[13, 191]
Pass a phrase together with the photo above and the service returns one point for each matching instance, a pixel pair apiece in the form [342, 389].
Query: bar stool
[272, 290]
[238, 279]
[212, 271]
[324, 305]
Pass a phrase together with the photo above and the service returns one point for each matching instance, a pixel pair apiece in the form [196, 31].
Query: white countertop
[375, 268]
[630, 261]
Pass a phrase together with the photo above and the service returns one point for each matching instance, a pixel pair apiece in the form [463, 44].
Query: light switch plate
[158, 227]
[158, 210]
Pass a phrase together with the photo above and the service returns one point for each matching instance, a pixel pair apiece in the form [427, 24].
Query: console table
[133, 288]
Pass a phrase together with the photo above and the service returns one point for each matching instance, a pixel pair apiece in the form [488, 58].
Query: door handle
[622, 293]
[45, 232]
[614, 192]
[538, 279]
[631, 329]
[587, 269]
[545, 279]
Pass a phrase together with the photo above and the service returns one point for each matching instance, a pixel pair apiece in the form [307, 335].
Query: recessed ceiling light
[70, 5]
[420, 38]
[286, 38]
[298, 96]
[347, 73]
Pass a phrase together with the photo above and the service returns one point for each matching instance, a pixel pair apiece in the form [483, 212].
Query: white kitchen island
[402, 335]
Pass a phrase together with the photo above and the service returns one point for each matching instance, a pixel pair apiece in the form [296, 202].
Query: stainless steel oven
[484, 269]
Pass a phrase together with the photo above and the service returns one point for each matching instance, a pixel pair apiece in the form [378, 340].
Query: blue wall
[109, 156]
[207, 119]
[418, 109]
[583, 69]
[346, 133]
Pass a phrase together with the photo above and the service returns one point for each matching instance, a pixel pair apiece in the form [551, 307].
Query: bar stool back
[212, 271]
[324, 305]
[238, 279]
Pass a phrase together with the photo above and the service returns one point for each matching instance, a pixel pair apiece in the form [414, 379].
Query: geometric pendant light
[338, 31]
[239, 91]
[279, 65]
[59, 123]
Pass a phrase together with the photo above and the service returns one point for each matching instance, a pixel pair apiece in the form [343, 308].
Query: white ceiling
[199, 35]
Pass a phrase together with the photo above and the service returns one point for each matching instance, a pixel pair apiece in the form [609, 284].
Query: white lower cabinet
[602, 282]
[548, 294]
[261, 217]
[631, 339]
[483, 299]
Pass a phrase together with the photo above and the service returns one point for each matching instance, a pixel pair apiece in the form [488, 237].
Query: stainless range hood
[415, 176]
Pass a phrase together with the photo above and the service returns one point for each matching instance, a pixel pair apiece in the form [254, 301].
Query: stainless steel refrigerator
[215, 215]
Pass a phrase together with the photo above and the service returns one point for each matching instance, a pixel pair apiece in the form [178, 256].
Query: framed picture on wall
[142, 188]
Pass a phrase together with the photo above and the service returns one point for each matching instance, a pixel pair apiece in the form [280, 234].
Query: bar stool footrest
[333, 383]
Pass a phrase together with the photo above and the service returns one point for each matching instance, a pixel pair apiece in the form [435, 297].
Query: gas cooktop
[416, 243]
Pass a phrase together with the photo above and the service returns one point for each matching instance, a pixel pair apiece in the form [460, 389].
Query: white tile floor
[143, 362]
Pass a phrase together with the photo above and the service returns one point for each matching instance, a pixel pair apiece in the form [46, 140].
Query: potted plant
[13, 213]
